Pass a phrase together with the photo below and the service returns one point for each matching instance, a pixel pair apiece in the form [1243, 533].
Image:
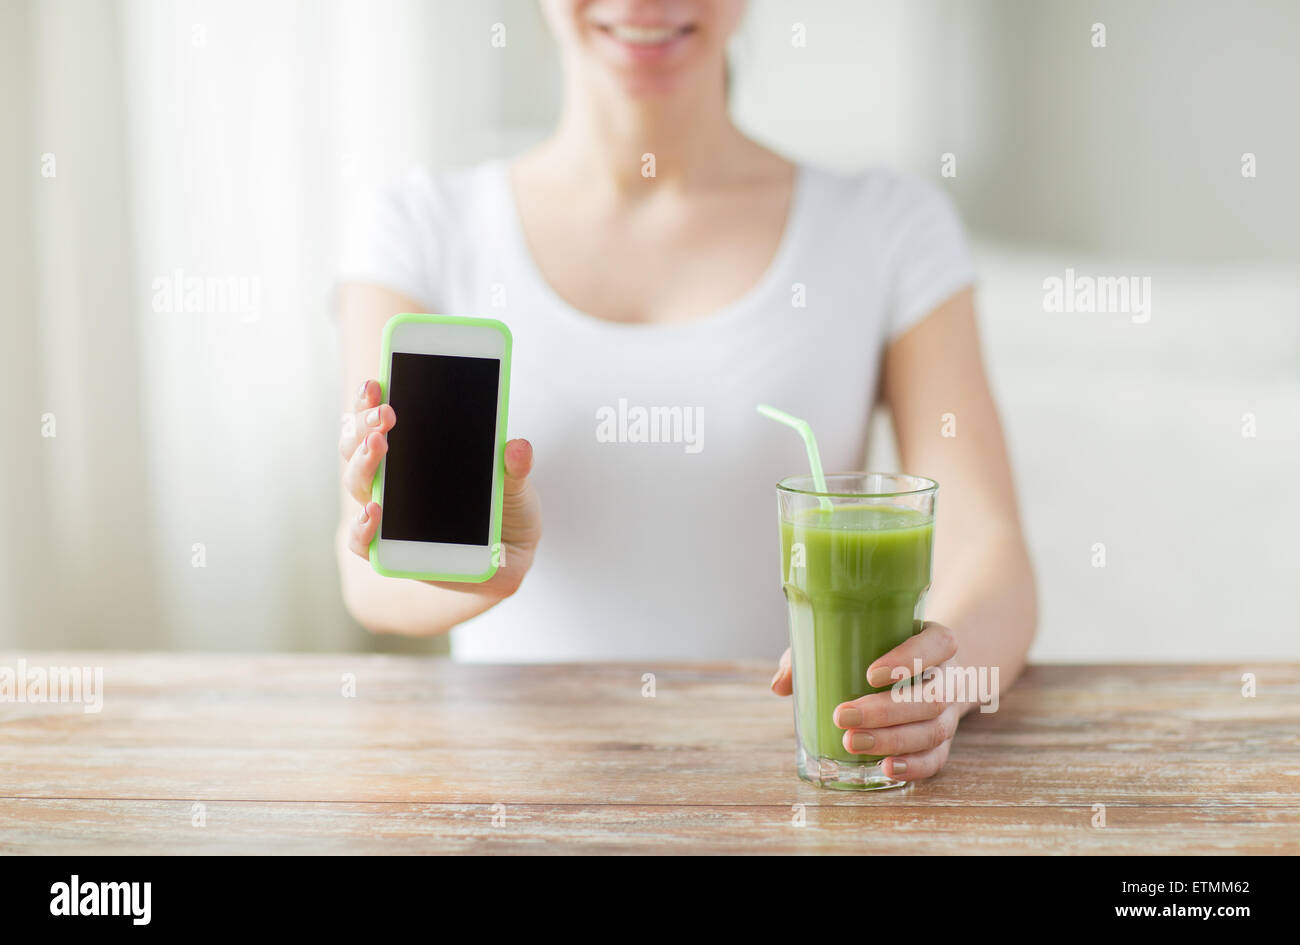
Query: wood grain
[433, 756]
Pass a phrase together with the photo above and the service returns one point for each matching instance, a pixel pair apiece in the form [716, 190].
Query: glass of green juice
[855, 569]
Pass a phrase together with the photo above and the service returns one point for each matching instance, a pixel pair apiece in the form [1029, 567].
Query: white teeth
[643, 35]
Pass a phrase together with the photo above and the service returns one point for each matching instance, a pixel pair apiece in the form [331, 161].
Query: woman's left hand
[914, 736]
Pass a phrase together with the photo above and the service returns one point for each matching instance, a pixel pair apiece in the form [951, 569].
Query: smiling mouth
[644, 35]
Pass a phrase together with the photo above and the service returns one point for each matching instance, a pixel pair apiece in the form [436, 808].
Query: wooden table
[231, 754]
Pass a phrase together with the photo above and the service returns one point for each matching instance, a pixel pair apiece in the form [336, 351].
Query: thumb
[519, 463]
[782, 684]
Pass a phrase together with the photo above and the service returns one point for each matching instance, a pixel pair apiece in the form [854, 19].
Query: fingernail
[361, 391]
[372, 417]
[772, 685]
[848, 717]
[897, 767]
[364, 516]
[861, 741]
[880, 676]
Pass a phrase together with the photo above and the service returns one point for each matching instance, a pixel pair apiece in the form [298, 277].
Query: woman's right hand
[363, 443]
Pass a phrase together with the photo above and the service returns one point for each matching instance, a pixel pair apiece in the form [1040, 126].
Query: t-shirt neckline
[738, 308]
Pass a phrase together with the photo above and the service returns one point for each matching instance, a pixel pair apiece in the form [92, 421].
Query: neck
[686, 138]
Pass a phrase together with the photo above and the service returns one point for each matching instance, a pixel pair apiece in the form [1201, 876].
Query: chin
[647, 86]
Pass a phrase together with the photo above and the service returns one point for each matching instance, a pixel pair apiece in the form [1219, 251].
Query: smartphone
[440, 484]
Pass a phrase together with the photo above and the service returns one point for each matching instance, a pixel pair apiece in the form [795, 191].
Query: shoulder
[906, 225]
[412, 234]
[434, 201]
[878, 196]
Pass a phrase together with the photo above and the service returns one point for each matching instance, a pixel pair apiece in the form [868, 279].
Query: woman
[648, 254]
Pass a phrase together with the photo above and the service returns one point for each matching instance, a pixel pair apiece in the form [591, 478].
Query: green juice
[856, 591]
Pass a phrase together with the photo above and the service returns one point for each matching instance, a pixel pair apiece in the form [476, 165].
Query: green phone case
[377, 489]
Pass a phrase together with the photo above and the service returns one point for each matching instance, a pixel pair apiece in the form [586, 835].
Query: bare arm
[983, 586]
[395, 605]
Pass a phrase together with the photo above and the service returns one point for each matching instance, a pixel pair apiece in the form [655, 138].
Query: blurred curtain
[77, 564]
[180, 172]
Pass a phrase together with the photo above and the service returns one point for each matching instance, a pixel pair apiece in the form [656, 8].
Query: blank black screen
[441, 453]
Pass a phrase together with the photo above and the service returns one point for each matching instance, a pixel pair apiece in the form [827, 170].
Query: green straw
[809, 442]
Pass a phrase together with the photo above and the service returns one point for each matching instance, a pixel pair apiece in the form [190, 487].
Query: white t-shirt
[669, 550]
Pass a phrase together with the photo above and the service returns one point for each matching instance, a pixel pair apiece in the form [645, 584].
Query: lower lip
[645, 52]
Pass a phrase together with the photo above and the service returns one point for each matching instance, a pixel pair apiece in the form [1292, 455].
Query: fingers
[908, 738]
[359, 473]
[914, 767]
[881, 709]
[783, 681]
[934, 644]
[367, 395]
[361, 530]
[357, 425]
[368, 416]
